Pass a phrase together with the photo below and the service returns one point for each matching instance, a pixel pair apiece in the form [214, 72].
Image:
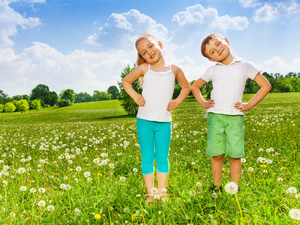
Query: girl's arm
[265, 88]
[130, 78]
[185, 88]
[198, 96]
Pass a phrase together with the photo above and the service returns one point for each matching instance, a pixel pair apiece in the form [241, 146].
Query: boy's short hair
[207, 40]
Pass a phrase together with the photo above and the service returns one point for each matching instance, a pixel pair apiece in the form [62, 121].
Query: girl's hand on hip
[140, 100]
[208, 104]
[172, 106]
[242, 106]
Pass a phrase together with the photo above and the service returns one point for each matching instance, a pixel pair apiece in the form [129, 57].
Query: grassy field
[81, 165]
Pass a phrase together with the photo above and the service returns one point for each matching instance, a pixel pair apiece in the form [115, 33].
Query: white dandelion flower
[164, 190]
[67, 187]
[89, 179]
[250, 169]
[76, 212]
[21, 170]
[23, 188]
[156, 197]
[214, 195]
[111, 165]
[291, 190]
[295, 214]
[198, 184]
[96, 161]
[42, 190]
[87, 174]
[154, 191]
[122, 178]
[63, 186]
[78, 169]
[51, 208]
[243, 160]
[32, 190]
[279, 179]
[135, 170]
[4, 183]
[104, 162]
[231, 188]
[41, 203]
[193, 193]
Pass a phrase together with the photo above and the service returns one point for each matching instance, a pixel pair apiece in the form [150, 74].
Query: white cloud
[277, 64]
[271, 12]
[249, 3]
[10, 21]
[121, 30]
[198, 15]
[41, 64]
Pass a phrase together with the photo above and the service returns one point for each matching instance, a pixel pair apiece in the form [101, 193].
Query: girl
[154, 117]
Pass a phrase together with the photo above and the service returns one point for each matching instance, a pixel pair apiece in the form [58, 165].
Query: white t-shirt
[158, 88]
[228, 84]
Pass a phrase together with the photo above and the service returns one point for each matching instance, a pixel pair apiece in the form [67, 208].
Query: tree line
[41, 96]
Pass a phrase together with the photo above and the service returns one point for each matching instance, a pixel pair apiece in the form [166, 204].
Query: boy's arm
[265, 88]
[185, 88]
[127, 84]
[198, 96]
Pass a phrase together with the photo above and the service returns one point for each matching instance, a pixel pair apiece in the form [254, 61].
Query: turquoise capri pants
[154, 140]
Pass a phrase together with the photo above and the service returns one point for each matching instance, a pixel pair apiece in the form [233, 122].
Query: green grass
[44, 142]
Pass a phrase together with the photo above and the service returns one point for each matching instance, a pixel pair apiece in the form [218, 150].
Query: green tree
[1, 108]
[22, 105]
[63, 102]
[53, 97]
[114, 91]
[101, 96]
[68, 95]
[42, 92]
[36, 104]
[126, 101]
[9, 107]
[83, 97]
[3, 97]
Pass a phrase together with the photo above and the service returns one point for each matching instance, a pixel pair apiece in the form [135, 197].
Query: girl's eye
[212, 52]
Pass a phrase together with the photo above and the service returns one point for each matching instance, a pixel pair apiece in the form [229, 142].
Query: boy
[225, 122]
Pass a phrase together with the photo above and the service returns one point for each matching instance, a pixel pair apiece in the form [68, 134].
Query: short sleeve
[207, 75]
[251, 71]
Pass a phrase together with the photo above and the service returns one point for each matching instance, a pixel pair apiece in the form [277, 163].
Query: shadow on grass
[117, 117]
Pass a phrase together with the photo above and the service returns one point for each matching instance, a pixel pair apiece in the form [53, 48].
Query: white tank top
[158, 88]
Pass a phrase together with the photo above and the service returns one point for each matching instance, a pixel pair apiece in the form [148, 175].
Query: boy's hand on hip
[242, 106]
[208, 104]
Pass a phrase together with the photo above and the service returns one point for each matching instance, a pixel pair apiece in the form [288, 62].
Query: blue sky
[85, 44]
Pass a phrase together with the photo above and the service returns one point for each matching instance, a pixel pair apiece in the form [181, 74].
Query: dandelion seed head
[295, 214]
[23, 188]
[21, 170]
[41, 203]
[154, 191]
[122, 178]
[291, 190]
[250, 169]
[231, 188]
[87, 174]
[51, 208]
[135, 170]
[198, 184]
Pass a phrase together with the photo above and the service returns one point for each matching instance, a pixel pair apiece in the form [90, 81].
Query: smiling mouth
[152, 56]
[221, 52]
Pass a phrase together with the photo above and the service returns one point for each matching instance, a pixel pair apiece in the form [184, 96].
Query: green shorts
[225, 135]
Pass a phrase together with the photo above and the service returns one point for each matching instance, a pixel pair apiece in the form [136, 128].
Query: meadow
[81, 165]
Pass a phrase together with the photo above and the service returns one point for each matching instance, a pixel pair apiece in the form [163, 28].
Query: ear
[227, 41]
[160, 44]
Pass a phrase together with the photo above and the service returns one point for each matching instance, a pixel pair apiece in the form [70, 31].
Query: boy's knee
[219, 157]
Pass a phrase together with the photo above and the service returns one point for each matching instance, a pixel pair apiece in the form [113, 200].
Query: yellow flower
[97, 216]
[283, 168]
[99, 174]
[263, 166]
[133, 216]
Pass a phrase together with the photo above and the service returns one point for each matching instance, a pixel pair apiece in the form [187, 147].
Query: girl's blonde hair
[140, 60]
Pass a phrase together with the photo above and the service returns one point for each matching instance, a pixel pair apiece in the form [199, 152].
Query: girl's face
[150, 50]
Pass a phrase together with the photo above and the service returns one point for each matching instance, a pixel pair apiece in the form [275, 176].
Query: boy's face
[218, 49]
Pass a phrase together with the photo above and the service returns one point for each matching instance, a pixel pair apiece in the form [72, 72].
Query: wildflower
[87, 174]
[214, 195]
[250, 169]
[164, 190]
[243, 160]
[21, 170]
[154, 191]
[297, 196]
[279, 179]
[111, 165]
[96, 161]
[126, 210]
[32, 190]
[51, 208]
[135, 170]
[63, 186]
[295, 214]
[4, 183]
[193, 193]
[198, 184]
[76, 212]
[193, 163]
[291, 190]
[67, 187]
[41, 203]
[89, 179]
[133, 216]
[42, 190]
[138, 195]
[122, 178]
[97, 216]
[23, 188]
[231, 188]
[156, 197]
[104, 162]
